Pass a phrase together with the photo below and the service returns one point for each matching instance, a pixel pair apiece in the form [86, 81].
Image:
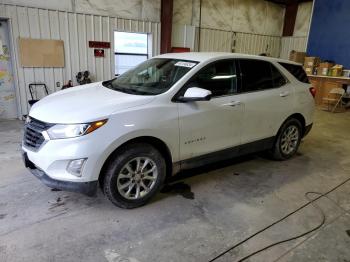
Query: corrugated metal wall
[256, 44]
[213, 40]
[228, 41]
[183, 36]
[292, 43]
[75, 30]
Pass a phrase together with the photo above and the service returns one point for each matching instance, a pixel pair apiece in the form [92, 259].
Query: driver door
[211, 126]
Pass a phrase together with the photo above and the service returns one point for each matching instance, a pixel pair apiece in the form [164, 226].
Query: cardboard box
[297, 57]
[309, 70]
[324, 68]
[311, 61]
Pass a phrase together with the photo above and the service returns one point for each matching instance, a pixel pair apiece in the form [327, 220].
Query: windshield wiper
[127, 90]
[107, 83]
[137, 92]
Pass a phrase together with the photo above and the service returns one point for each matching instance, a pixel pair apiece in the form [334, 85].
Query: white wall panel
[75, 30]
[148, 10]
[212, 40]
[183, 36]
[255, 44]
[225, 41]
[292, 43]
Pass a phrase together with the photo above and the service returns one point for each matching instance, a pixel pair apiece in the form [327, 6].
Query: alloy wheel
[290, 139]
[137, 178]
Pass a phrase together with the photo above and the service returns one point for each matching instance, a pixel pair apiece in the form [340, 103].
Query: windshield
[152, 77]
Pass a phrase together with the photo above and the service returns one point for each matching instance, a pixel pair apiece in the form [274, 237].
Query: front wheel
[288, 140]
[134, 176]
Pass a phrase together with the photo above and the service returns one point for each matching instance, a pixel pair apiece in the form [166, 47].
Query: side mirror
[195, 94]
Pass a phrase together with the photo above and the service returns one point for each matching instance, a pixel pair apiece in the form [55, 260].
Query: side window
[220, 78]
[255, 75]
[277, 78]
[297, 71]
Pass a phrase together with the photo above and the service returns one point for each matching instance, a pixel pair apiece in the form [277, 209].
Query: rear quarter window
[297, 71]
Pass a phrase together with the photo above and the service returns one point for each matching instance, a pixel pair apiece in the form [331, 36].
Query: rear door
[268, 99]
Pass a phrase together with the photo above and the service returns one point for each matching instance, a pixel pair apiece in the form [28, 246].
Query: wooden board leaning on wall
[41, 52]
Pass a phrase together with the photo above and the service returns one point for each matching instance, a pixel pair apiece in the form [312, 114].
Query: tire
[288, 140]
[128, 174]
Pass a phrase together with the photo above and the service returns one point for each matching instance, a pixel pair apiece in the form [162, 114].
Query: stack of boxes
[297, 57]
[310, 64]
[314, 66]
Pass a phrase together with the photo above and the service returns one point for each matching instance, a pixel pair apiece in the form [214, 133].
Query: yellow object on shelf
[336, 70]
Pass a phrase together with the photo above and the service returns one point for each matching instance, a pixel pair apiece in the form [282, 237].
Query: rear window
[297, 71]
[255, 75]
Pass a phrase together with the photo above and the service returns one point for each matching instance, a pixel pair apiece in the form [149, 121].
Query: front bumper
[86, 188]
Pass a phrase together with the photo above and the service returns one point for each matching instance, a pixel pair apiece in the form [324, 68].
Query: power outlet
[58, 84]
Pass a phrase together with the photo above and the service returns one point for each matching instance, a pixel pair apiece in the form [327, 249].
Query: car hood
[84, 103]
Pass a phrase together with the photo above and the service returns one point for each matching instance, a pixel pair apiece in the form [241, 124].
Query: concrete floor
[212, 210]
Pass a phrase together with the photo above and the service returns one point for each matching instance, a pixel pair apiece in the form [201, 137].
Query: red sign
[180, 49]
[99, 52]
[98, 44]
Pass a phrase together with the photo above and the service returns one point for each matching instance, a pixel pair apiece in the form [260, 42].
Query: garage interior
[247, 209]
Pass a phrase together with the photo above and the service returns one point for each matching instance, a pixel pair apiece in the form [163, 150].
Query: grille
[33, 137]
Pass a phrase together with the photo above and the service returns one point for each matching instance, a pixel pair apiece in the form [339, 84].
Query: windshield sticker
[185, 64]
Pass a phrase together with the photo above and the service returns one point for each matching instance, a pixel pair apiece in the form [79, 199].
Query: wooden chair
[334, 99]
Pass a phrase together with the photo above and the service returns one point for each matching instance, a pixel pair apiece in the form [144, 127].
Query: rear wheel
[134, 176]
[288, 140]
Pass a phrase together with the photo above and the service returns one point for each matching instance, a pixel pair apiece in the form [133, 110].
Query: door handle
[284, 94]
[233, 103]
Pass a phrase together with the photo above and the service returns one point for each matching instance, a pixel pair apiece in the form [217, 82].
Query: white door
[8, 107]
[267, 99]
[210, 126]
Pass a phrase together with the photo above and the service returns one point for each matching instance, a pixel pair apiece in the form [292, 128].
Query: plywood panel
[41, 53]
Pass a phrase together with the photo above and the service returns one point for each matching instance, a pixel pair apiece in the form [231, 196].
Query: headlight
[69, 131]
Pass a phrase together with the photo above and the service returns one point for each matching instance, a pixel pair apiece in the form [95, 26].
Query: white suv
[172, 112]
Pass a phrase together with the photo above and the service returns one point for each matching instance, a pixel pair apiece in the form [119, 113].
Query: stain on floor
[57, 203]
[179, 188]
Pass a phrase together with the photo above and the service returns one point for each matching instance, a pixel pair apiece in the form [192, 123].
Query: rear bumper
[86, 188]
[307, 130]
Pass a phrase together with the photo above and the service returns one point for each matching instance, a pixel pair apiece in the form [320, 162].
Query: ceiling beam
[166, 21]
[290, 17]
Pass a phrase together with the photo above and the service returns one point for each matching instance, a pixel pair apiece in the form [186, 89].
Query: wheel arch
[157, 143]
[298, 117]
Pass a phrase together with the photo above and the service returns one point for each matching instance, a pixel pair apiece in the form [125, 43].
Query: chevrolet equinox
[170, 113]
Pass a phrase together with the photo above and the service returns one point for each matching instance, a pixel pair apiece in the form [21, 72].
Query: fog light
[75, 167]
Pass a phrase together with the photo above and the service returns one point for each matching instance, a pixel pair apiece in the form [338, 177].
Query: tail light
[313, 91]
